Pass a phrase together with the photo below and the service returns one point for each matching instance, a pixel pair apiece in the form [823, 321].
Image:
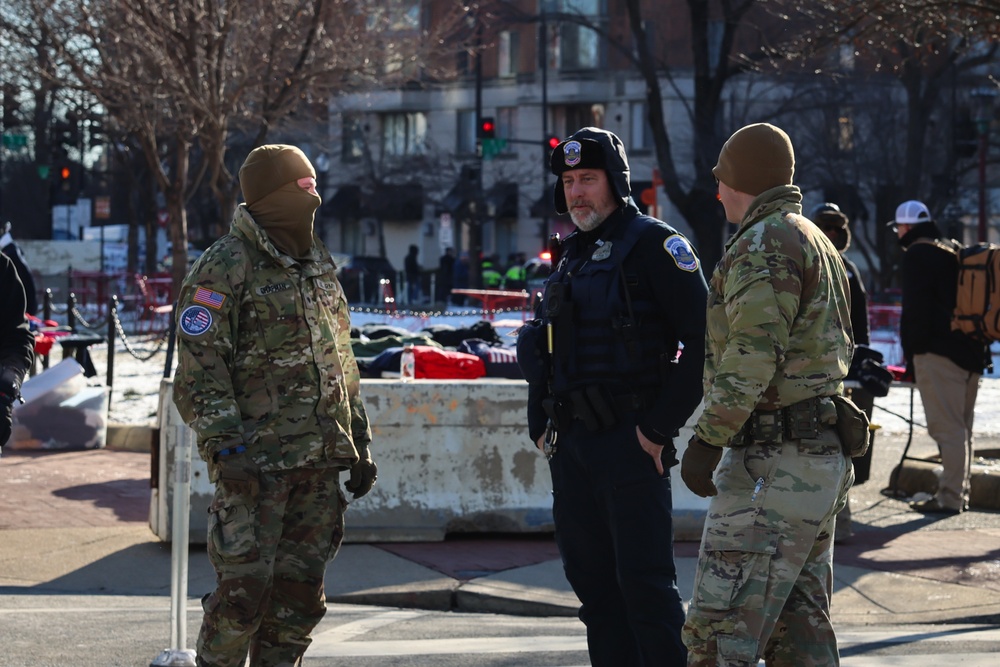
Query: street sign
[15, 141]
[493, 147]
[102, 207]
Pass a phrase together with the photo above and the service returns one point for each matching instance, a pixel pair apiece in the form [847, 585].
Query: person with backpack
[946, 364]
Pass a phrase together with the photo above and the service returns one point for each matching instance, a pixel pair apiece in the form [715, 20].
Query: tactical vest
[606, 331]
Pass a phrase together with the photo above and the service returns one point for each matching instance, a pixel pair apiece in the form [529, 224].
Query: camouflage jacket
[779, 318]
[264, 355]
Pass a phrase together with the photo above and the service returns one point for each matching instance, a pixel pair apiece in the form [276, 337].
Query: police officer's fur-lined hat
[756, 158]
[269, 167]
[829, 214]
[591, 148]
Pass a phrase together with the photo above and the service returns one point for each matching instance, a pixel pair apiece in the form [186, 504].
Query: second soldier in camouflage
[778, 346]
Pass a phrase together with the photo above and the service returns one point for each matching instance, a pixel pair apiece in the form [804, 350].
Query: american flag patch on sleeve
[207, 297]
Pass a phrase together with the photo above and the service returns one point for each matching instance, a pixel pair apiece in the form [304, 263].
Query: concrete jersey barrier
[453, 456]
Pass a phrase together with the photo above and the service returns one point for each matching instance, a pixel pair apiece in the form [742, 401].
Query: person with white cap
[947, 365]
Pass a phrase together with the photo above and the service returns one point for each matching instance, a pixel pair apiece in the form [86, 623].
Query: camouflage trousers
[765, 568]
[270, 555]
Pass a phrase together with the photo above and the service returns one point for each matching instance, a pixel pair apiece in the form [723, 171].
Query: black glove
[6, 422]
[363, 476]
[10, 391]
[700, 460]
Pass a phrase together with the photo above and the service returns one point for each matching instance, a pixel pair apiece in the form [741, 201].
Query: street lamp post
[322, 169]
[985, 98]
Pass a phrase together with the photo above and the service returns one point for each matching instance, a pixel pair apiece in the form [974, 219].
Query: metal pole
[545, 123]
[176, 655]
[112, 319]
[983, 144]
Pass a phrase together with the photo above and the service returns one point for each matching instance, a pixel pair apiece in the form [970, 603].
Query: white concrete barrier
[453, 456]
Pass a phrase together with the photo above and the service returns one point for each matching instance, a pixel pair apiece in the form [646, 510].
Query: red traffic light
[553, 142]
[64, 173]
[487, 128]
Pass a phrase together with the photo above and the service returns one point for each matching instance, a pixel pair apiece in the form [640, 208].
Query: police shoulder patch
[681, 252]
[195, 320]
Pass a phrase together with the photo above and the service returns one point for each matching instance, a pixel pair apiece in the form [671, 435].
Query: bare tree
[714, 63]
[181, 78]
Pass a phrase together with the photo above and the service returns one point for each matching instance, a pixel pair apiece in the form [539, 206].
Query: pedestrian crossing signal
[487, 128]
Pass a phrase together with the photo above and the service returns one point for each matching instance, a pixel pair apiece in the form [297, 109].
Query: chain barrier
[58, 311]
[128, 346]
[424, 314]
[87, 325]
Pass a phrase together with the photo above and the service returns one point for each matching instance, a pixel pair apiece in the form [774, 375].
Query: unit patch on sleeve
[681, 252]
[195, 320]
[207, 297]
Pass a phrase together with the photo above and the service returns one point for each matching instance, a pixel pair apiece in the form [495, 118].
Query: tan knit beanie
[756, 158]
[269, 167]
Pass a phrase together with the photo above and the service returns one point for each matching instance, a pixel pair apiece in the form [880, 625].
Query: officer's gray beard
[587, 221]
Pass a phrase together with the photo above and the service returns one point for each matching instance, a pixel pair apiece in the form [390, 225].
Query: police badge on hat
[681, 252]
[572, 153]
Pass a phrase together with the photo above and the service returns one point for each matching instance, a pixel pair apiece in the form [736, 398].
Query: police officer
[778, 347]
[17, 345]
[607, 394]
[267, 380]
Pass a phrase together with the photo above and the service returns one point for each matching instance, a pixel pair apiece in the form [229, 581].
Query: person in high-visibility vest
[516, 277]
[492, 278]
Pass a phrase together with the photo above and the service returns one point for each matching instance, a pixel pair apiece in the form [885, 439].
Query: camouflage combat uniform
[778, 333]
[265, 361]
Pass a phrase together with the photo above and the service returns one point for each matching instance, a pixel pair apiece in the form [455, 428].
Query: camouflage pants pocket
[232, 534]
[734, 569]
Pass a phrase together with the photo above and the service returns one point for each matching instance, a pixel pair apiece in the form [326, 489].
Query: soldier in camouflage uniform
[778, 346]
[267, 379]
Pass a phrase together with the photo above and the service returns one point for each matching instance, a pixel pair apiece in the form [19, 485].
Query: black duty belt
[594, 405]
[797, 421]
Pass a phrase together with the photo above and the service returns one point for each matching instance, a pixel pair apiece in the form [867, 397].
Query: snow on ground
[136, 383]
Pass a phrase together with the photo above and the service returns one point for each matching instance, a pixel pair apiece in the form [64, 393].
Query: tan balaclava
[278, 204]
[756, 158]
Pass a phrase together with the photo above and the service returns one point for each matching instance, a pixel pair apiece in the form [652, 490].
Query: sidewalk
[76, 522]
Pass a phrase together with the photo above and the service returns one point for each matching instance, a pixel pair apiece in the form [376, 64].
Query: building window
[404, 133]
[508, 45]
[465, 142]
[394, 15]
[506, 122]
[716, 31]
[352, 140]
[845, 131]
[579, 47]
[642, 135]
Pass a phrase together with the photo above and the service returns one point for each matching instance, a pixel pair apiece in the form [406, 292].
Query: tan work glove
[697, 466]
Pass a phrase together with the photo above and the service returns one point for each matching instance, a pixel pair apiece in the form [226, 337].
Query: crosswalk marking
[345, 642]
[347, 631]
[321, 648]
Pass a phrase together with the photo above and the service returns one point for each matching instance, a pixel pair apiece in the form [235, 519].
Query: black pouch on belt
[852, 426]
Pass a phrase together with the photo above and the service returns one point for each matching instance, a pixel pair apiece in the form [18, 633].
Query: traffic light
[64, 174]
[553, 142]
[487, 128]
